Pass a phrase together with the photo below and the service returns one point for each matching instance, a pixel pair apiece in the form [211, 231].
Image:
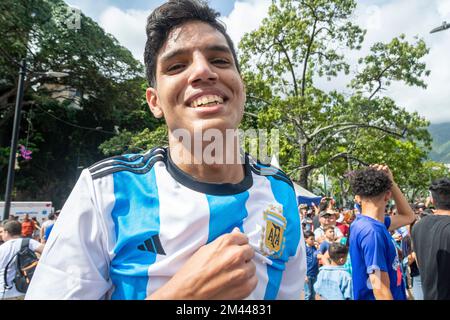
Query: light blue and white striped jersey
[133, 221]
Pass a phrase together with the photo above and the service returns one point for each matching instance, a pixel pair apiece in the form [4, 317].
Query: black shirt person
[431, 239]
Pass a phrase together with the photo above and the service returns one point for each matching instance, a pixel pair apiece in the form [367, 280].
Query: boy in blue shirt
[312, 265]
[334, 282]
[376, 269]
[329, 239]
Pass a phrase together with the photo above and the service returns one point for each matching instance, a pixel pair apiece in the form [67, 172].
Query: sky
[383, 20]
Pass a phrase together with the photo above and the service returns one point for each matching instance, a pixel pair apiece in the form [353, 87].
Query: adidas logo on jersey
[152, 244]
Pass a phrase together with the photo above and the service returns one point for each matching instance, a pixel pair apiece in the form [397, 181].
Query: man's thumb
[236, 230]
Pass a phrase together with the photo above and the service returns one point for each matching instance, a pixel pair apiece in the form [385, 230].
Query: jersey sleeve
[374, 248]
[75, 260]
[293, 278]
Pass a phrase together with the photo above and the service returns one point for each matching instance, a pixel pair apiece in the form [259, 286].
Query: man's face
[197, 82]
[327, 219]
[329, 234]
[303, 212]
[310, 241]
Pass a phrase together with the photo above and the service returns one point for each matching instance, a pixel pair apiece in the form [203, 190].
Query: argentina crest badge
[275, 226]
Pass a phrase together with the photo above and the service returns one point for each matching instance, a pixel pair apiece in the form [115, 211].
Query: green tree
[64, 120]
[301, 42]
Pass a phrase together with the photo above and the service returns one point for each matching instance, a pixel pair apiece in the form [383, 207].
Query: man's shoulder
[5, 247]
[268, 170]
[427, 222]
[134, 163]
[364, 226]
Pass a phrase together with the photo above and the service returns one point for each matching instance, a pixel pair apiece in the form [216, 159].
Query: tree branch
[291, 67]
[354, 126]
[379, 78]
[251, 114]
[259, 99]
[308, 51]
[351, 125]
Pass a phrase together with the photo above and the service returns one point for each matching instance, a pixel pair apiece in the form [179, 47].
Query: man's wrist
[168, 292]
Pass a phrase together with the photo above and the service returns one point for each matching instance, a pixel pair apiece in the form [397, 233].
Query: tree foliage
[63, 130]
[299, 44]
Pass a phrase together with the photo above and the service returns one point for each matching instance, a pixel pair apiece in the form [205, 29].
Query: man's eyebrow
[178, 52]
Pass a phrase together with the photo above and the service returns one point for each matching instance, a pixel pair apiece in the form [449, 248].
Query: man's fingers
[237, 237]
[248, 252]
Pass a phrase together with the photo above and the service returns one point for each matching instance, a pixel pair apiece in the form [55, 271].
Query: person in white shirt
[326, 218]
[11, 235]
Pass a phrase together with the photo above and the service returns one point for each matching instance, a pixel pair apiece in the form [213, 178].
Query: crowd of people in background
[13, 232]
[369, 250]
[348, 249]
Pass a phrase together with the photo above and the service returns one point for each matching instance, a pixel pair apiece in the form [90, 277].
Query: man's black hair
[369, 182]
[308, 234]
[170, 15]
[440, 191]
[337, 251]
[14, 228]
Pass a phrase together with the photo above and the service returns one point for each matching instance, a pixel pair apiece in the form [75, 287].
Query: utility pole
[14, 139]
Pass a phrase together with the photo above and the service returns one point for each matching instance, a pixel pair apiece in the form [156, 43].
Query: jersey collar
[218, 189]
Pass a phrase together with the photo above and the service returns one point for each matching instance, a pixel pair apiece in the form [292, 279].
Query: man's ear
[432, 200]
[388, 196]
[153, 102]
[358, 199]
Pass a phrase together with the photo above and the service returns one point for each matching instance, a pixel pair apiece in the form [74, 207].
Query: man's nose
[202, 70]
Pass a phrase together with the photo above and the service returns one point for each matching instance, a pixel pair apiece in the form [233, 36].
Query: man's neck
[373, 211]
[11, 238]
[439, 212]
[215, 170]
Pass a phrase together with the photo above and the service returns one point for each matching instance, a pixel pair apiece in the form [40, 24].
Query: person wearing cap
[327, 218]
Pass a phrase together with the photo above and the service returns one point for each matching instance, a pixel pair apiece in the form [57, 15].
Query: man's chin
[208, 126]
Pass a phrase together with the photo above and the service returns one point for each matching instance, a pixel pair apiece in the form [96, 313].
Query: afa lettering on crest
[274, 231]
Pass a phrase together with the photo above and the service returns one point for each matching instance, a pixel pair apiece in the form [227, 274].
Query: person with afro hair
[376, 268]
[431, 241]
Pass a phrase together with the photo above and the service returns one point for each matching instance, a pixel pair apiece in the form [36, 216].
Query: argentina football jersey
[133, 221]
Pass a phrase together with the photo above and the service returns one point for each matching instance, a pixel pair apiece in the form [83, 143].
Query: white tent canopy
[304, 196]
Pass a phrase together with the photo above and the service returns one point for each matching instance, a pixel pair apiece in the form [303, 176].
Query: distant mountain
[441, 142]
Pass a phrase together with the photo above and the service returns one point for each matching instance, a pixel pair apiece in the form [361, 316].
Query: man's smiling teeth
[205, 100]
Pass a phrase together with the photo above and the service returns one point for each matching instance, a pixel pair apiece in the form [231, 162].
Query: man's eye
[220, 61]
[175, 67]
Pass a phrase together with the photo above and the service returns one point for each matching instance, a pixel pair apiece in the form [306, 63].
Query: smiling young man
[175, 223]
